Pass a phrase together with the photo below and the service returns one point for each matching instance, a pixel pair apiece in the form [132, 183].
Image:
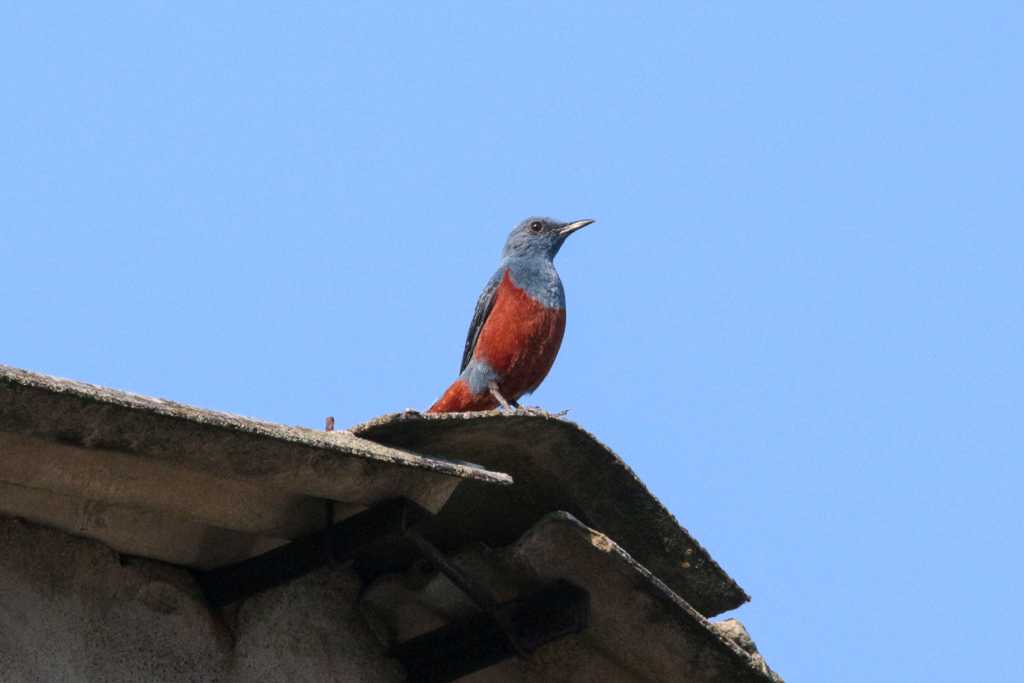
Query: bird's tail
[459, 398]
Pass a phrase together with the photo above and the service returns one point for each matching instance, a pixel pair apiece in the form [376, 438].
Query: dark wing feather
[483, 309]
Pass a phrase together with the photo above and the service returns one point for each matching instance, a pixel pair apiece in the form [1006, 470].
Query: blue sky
[798, 318]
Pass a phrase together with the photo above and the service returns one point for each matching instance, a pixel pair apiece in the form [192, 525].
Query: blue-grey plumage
[528, 255]
[518, 338]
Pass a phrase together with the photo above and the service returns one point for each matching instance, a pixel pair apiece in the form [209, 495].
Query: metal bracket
[475, 643]
[337, 544]
[499, 631]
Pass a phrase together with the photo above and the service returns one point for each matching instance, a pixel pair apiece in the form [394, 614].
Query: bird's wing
[483, 309]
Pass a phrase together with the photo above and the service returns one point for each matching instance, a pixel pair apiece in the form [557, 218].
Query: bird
[518, 323]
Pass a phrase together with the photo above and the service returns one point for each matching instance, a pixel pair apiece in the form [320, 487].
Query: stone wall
[71, 609]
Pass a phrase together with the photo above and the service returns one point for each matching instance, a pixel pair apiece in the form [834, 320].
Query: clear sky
[798, 317]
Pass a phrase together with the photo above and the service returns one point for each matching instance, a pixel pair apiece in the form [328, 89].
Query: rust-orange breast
[520, 339]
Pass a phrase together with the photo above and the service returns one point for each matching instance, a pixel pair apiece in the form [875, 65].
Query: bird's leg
[506, 406]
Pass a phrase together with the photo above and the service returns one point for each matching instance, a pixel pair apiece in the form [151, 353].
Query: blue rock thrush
[518, 324]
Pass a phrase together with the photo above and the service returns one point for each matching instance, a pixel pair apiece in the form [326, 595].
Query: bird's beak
[573, 227]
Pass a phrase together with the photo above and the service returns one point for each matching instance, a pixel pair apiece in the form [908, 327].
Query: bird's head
[540, 237]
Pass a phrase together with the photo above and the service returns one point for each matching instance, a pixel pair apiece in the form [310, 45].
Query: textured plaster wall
[71, 609]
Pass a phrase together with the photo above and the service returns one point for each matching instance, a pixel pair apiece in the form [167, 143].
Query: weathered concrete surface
[735, 631]
[640, 630]
[195, 487]
[135, 530]
[200, 489]
[556, 466]
[72, 610]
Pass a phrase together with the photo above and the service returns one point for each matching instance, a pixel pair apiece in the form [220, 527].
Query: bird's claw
[537, 411]
[513, 408]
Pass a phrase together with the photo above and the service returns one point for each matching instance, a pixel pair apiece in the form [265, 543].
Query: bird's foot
[506, 405]
[540, 412]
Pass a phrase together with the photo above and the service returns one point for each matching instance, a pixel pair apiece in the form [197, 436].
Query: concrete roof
[639, 628]
[201, 489]
[194, 487]
[556, 466]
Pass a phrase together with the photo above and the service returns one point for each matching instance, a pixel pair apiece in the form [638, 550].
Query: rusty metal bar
[480, 597]
[477, 593]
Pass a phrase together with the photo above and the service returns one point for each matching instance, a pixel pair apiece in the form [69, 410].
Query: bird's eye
[535, 226]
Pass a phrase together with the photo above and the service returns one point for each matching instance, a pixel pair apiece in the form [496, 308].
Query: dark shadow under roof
[556, 466]
[638, 629]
